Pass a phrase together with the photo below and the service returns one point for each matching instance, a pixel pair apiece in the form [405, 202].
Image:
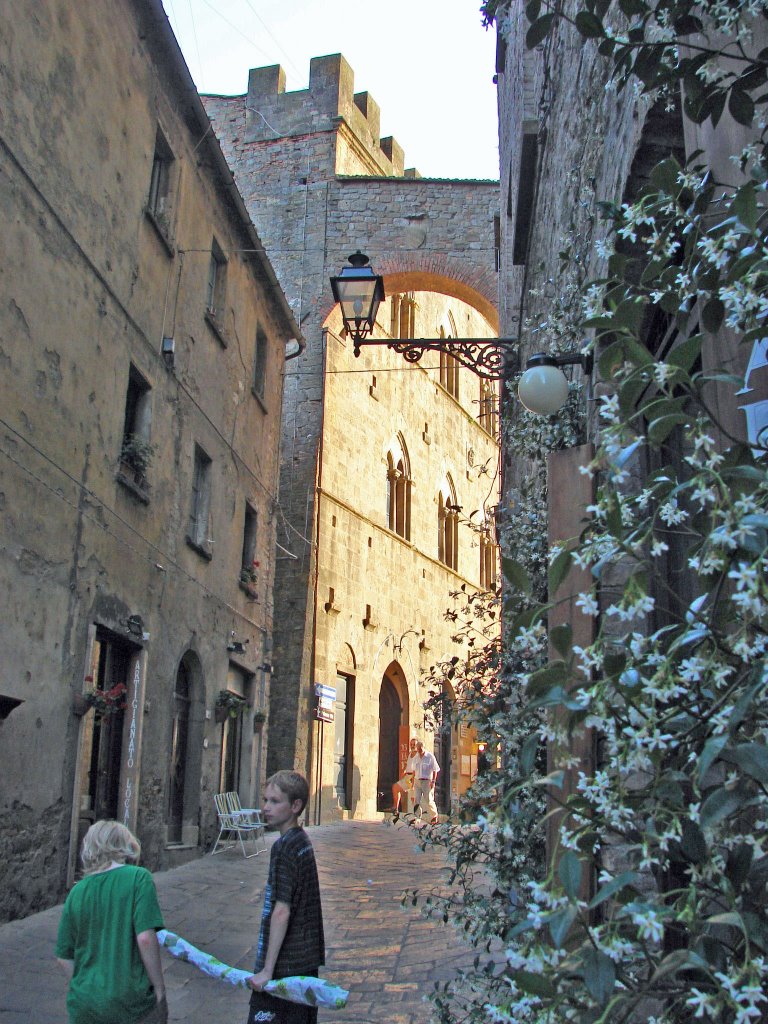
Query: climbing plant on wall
[654, 903]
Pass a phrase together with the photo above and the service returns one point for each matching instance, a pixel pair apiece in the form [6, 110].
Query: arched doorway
[393, 715]
[179, 739]
[187, 716]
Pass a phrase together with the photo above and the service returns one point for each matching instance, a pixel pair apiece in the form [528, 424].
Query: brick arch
[470, 287]
[409, 274]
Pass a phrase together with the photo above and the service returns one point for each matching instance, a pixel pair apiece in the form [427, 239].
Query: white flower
[588, 604]
[702, 1003]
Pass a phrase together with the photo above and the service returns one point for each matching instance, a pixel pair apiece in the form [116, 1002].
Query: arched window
[487, 416]
[448, 525]
[403, 316]
[399, 490]
[488, 561]
[449, 368]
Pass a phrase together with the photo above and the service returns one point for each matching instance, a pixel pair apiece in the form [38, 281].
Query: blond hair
[105, 842]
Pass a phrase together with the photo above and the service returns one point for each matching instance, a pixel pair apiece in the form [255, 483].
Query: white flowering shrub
[654, 904]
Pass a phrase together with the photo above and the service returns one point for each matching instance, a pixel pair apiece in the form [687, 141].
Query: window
[487, 415]
[198, 535]
[159, 199]
[525, 197]
[487, 562]
[403, 316]
[448, 526]
[260, 365]
[217, 275]
[136, 450]
[449, 370]
[249, 564]
[399, 490]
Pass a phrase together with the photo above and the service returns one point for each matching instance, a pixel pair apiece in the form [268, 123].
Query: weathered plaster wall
[91, 290]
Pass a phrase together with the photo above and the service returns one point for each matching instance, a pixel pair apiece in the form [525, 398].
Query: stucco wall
[91, 291]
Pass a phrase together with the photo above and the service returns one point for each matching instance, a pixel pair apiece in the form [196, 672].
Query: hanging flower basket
[229, 704]
[104, 702]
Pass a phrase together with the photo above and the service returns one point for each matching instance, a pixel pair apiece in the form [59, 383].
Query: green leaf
[752, 758]
[744, 205]
[599, 976]
[569, 872]
[693, 843]
[741, 107]
[732, 919]
[589, 25]
[720, 804]
[660, 429]
[712, 315]
[554, 673]
[560, 924]
[515, 575]
[561, 638]
[559, 570]
[738, 865]
[710, 752]
[538, 31]
[757, 930]
[533, 984]
[664, 176]
[528, 753]
[675, 961]
[532, 10]
[686, 354]
[626, 878]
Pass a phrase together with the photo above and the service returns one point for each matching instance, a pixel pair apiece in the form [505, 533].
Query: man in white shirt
[427, 770]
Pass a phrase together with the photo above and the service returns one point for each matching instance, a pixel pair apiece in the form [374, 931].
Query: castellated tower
[375, 452]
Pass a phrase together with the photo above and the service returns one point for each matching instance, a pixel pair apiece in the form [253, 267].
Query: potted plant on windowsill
[104, 702]
[228, 704]
[135, 459]
[249, 579]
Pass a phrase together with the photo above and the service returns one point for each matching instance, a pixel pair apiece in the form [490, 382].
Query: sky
[429, 66]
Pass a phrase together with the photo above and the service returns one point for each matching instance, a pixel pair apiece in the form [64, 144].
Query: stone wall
[96, 283]
[320, 184]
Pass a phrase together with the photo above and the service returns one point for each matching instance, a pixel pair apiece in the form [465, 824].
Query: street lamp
[543, 388]
[359, 292]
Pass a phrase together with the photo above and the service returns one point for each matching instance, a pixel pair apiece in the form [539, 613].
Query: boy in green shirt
[107, 942]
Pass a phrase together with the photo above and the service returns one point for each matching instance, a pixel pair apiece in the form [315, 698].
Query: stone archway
[393, 715]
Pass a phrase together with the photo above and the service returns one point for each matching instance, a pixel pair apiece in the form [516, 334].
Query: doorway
[343, 755]
[179, 744]
[390, 716]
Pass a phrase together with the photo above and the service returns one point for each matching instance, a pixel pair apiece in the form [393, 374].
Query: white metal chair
[237, 823]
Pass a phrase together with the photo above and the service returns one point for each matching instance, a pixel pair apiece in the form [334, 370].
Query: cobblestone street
[386, 956]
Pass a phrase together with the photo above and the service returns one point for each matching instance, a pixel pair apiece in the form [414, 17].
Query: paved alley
[386, 956]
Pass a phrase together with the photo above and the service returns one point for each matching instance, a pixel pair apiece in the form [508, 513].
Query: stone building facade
[568, 140]
[143, 336]
[362, 581]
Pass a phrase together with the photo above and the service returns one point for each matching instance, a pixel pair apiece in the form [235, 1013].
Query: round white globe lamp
[543, 388]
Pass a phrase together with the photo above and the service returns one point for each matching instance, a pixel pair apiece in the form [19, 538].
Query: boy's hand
[258, 981]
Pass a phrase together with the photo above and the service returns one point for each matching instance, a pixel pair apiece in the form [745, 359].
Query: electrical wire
[100, 504]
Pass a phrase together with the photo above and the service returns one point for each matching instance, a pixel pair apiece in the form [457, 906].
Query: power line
[101, 504]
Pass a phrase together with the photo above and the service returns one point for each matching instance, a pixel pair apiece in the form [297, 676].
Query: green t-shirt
[102, 916]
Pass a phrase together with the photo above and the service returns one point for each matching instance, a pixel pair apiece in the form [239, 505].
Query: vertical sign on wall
[131, 758]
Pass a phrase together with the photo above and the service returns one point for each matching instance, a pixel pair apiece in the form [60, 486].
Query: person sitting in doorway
[405, 786]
